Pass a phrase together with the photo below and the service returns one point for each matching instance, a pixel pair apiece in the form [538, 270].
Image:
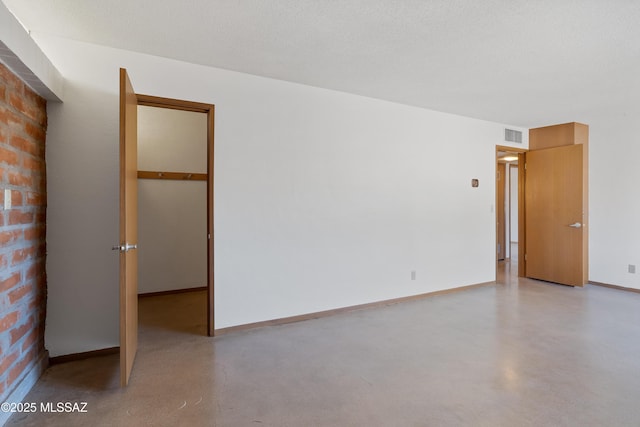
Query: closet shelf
[179, 176]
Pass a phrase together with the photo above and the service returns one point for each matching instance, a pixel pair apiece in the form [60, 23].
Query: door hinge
[525, 257]
[525, 166]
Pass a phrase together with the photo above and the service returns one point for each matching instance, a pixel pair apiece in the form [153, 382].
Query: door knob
[124, 248]
[575, 225]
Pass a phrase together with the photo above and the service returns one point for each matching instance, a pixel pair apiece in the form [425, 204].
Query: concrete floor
[519, 353]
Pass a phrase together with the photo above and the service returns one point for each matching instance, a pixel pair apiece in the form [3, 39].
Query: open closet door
[128, 227]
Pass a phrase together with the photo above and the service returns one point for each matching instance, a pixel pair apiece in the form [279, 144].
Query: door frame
[521, 152]
[209, 110]
[501, 168]
[509, 211]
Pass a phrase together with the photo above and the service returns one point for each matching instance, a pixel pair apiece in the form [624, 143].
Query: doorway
[175, 175]
[172, 215]
[128, 233]
[510, 207]
[555, 228]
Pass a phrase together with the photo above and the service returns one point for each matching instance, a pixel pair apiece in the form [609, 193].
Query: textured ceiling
[527, 63]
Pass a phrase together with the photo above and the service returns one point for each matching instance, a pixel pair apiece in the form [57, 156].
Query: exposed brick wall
[23, 284]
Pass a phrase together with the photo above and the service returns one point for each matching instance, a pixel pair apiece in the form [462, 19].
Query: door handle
[575, 225]
[124, 248]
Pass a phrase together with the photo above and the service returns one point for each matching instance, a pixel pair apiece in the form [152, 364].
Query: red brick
[35, 199]
[36, 132]
[7, 116]
[36, 106]
[23, 105]
[35, 269]
[32, 164]
[43, 117]
[9, 237]
[8, 321]
[10, 282]
[33, 233]
[25, 145]
[31, 338]
[9, 78]
[34, 99]
[16, 101]
[42, 280]
[21, 331]
[31, 272]
[22, 168]
[20, 367]
[20, 255]
[8, 157]
[41, 184]
[16, 198]
[20, 180]
[17, 217]
[19, 293]
[8, 361]
[37, 303]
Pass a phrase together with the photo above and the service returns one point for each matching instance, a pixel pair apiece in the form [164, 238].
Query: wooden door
[555, 210]
[128, 227]
[500, 212]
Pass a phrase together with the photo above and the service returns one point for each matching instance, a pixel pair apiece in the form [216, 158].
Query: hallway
[519, 352]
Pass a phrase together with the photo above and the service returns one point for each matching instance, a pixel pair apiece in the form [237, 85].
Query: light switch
[7, 199]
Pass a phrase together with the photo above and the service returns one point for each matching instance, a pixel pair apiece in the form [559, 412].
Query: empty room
[292, 213]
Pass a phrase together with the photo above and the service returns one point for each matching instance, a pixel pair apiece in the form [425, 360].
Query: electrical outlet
[413, 275]
[632, 268]
[7, 199]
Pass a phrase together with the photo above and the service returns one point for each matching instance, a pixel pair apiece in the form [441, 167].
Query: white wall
[172, 220]
[614, 202]
[322, 199]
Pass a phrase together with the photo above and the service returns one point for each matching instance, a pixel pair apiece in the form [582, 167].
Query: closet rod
[180, 176]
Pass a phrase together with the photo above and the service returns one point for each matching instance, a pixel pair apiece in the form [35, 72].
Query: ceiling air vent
[511, 135]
